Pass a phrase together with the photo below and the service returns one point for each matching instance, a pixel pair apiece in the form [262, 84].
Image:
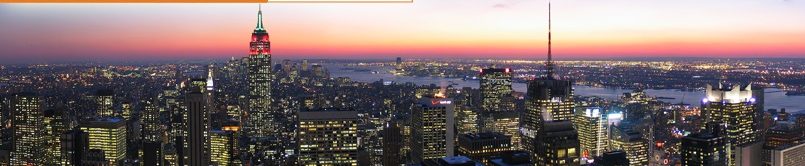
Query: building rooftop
[327, 114]
[484, 136]
[104, 123]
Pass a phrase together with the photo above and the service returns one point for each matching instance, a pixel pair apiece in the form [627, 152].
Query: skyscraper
[701, 149]
[734, 107]
[75, 146]
[557, 144]
[548, 99]
[392, 144]
[151, 123]
[497, 107]
[260, 121]
[28, 128]
[398, 65]
[466, 118]
[109, 136]
[432, 128]
[56, 123]
[496, 84]
[506, 123]
[592, 131]
[781, 134]
[630, 141]
[104, 99]
[222, 147]
[153, 153]
[152, 142]
[328, 137]
[305, 65]
[197, 128]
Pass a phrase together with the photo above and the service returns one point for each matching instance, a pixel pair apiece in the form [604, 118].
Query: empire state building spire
[259, 18]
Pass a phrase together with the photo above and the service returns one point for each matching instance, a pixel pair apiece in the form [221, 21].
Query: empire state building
[260, 119]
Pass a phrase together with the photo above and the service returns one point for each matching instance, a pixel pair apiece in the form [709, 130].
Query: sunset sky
[511, 29]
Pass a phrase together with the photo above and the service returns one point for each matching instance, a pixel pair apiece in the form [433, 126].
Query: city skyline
[254, 109]
[497, 30]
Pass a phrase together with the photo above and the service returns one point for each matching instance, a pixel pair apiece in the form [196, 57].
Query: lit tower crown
[260, 45]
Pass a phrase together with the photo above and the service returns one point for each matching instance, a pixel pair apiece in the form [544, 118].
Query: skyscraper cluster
[251, 111]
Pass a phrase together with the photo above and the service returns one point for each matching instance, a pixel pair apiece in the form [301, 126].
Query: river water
[774, 98]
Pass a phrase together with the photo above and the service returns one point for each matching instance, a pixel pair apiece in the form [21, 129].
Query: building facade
[558, 145]
[704, 149]
[734, 107]
[328, 137]
[593, 135]
[28, 128]
[432, 129]
[496, 84]
[788, 155]
[483, 146]
[109, 136]
[260, 120]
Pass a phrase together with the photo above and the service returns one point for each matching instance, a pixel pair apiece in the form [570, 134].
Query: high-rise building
[104, 100]
[152, 129]
[152, 142]
[305, 65]
[398, 64]
[548, 99]
[109, 136]
[496, 84]
[704, 149]
[318, 71]
[28, 128]
[198, 128]
[749, 154]
[592, 129]
[392, 144]
[260, 120]
[286, 65]
[175, 154]
[630, 141]
[95, 157]
[506, 123]
[125, 109]
[56, 123]
[466, 119]
[788, 155]
[483, 146]
[781, 134]
[432, 128]
[75, 146]
[328, 137]
[153, 153]
[223, 145]
[734, 107]
[800, 121]
[558, 144]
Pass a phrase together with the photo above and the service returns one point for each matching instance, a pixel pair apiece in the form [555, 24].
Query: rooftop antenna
[549, 63]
